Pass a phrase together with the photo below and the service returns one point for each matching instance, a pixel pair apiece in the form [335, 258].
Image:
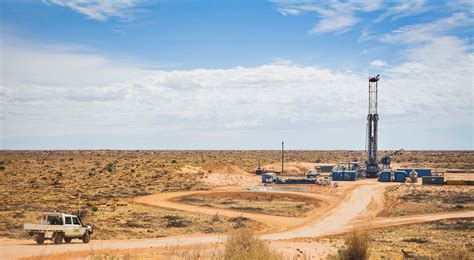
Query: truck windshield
[75, 221]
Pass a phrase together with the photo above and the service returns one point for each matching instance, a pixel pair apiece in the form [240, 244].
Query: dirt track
[275, 223]
[361, 201]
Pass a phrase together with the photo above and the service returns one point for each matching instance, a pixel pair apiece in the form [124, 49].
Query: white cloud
[47, 92]
[66, 66]
[288, 11]
[337, 23]
[378, 63]
[428, 31]
[461, 5]
[438, 77]
[335, 16]
[437, 67]
[404, 8]
[45, 98]
[99, 10]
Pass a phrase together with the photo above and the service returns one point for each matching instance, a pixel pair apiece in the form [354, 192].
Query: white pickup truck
[59, 227]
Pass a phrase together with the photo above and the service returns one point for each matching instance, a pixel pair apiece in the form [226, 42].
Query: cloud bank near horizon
[77, 93]
[47, 91]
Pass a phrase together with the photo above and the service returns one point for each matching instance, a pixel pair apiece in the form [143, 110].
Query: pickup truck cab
[58, 227]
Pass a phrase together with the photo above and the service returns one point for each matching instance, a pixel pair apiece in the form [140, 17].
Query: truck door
[68, 226]
[77, 230]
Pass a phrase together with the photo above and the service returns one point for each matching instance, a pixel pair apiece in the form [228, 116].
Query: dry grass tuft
[356, 246]
[242, 244]
[190, 253]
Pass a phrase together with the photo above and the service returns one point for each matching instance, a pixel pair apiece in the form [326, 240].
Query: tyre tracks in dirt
[357, 206]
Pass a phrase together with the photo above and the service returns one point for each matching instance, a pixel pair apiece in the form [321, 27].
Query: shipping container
[349, 175]
[419, 172]
[385, 176]
[344, 175]
[336, 176]
[423, 172]
[399, 176]
[432, 180]
[407, 172]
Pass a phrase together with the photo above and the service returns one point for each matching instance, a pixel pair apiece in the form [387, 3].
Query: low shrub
[242, 244]
[356, 246]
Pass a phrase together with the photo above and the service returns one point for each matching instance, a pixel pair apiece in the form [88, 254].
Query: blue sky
[132, 74]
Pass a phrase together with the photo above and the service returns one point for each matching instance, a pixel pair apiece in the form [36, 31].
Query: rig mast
[371, 165]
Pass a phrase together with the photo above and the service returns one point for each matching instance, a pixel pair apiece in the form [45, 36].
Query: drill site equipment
[385, 176]
[259, 170]
[326, 168]
[371, 165]
[345, 171]
[385, 161]
[399, 176]
[419, 172]
[312, 174]
[268, 177]
[279, 180]
[311, 177]
[282, 157]
[432, 180]
[344, 176]
[303, 180]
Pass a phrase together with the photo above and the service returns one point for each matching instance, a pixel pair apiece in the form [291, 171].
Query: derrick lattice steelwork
[372, 167]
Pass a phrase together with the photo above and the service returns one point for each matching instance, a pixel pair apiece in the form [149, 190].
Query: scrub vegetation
[272, 204]
[99, 184]
[406, 200]
[444, 239]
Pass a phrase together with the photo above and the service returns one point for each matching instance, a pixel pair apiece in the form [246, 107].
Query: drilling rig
[371, 165]
[385, 161]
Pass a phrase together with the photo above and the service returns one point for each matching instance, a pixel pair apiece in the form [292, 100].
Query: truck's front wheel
[86, 238]
[58, 238]
[40, 239]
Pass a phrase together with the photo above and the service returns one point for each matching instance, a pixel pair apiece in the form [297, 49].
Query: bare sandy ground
[358, 204]
[166, 200]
